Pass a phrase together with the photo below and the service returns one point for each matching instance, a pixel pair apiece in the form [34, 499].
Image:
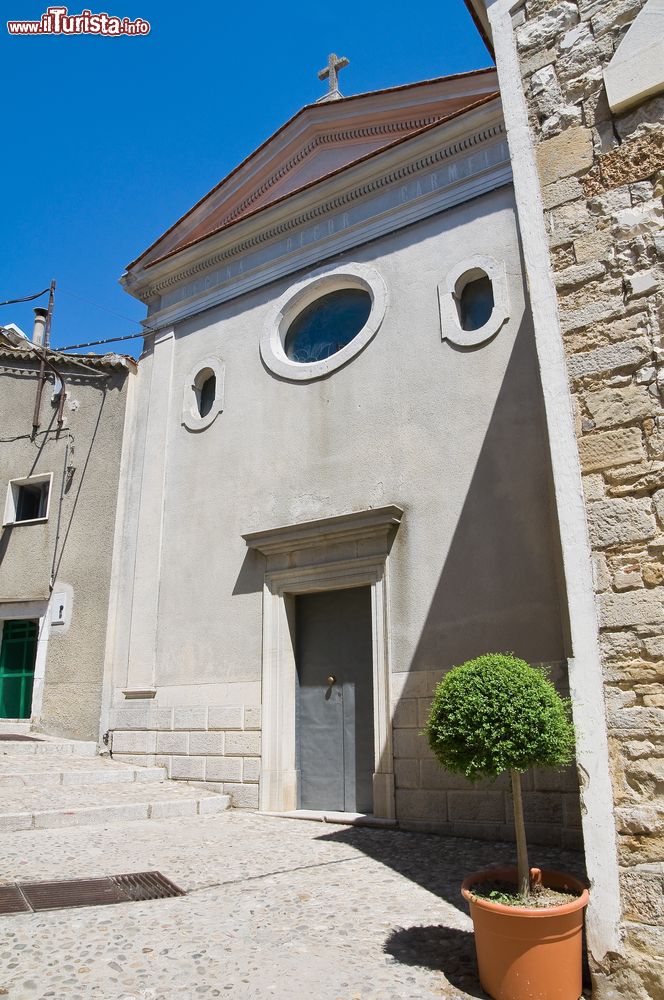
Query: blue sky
[108, 141]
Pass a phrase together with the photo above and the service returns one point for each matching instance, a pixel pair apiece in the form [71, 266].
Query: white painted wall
[455, 436]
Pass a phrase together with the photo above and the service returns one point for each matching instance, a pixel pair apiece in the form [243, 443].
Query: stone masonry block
[635, 607]
[613, 407]
[404, 715]
[421, 805]
[225, 717]
[566, 154]
[130, 718]
[137, 759]
[407, 773]
[606, 449]
[432, 775]
[162, 718]
[409, 684]
[604, 360]
[206, 743]
[410, 743]
[223, 769]
[252, 717]
[169, 743]
[134, 742]
[162, 760]
[556, 780]
[658, 503]
[243, 744]
[242, 796]
[423, 711]
[477, 806]
[643, 894]
[541, 807]
[190, 718]
[572, 810]
[251, 768]
[620, 521]
[188, 768]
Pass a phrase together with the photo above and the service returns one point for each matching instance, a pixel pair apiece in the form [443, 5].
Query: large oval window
[325, 326]
[475, 304]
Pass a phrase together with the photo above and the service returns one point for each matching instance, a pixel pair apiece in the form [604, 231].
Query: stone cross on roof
[331, 71]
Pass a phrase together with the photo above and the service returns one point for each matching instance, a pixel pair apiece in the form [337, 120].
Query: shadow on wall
[7, 529]
[64, 529]
[498, 590]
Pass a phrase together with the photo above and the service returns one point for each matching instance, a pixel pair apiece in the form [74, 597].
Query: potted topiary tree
[492, 715]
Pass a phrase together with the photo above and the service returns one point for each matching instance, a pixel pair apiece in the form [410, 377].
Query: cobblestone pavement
[276, 908]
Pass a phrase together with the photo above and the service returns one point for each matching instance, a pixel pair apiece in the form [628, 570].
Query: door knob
[331, 680]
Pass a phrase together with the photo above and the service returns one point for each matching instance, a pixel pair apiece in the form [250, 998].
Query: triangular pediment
[319, 141]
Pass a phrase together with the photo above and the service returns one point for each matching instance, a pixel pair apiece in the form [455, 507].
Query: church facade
[337, 481]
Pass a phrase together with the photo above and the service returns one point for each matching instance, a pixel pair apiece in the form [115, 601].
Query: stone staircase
[59, 783]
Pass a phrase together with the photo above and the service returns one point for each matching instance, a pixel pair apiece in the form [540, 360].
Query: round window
[327, 325]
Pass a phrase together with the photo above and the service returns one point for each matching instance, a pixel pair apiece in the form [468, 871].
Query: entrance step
[46, 745]
[21, 726]
[63, 805]
[17, 771]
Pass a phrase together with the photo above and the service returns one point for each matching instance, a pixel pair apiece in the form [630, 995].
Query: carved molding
[356, 526]
[389, 179]
[449, 318]
[298, 296]
[431, 172]
[339, 136]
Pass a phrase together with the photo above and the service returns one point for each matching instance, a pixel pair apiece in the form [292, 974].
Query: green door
[17, 668]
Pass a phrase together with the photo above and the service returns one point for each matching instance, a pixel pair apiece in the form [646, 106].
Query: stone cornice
[353, 527]
[425, 174]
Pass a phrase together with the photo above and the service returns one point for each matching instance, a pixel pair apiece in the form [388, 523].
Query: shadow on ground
[439, 864]
[444, 949]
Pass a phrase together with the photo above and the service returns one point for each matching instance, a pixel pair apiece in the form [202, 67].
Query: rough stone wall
[602, 180]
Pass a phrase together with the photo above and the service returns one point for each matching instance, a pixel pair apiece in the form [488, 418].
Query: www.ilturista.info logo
[58, 21]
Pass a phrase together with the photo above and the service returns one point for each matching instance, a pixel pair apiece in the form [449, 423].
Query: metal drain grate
[12, 900]
[134, 887]
[19, 737]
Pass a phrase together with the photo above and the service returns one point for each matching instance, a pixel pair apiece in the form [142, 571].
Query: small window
[475, 303]
[326, 325]
[205, 395]
[31, 502]
[27, 499]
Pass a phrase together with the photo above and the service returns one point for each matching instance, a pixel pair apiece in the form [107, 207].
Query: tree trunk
[520, 829]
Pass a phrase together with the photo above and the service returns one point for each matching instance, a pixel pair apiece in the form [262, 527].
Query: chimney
[40, 326]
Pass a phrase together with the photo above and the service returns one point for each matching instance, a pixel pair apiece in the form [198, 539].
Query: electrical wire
[26, 298]
[108, 340]
[98, 305]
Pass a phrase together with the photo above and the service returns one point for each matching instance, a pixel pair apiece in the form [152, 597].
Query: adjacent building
[60, 455]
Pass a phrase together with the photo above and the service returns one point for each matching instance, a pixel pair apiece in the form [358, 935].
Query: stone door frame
[350, 550]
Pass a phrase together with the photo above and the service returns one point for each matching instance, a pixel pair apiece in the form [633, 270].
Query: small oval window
[325, 326]
[475, 303]
[206, 390]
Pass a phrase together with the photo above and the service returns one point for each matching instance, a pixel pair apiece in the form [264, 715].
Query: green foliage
[497, 713]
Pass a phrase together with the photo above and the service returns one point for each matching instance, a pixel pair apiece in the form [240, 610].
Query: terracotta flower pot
[527, 954]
